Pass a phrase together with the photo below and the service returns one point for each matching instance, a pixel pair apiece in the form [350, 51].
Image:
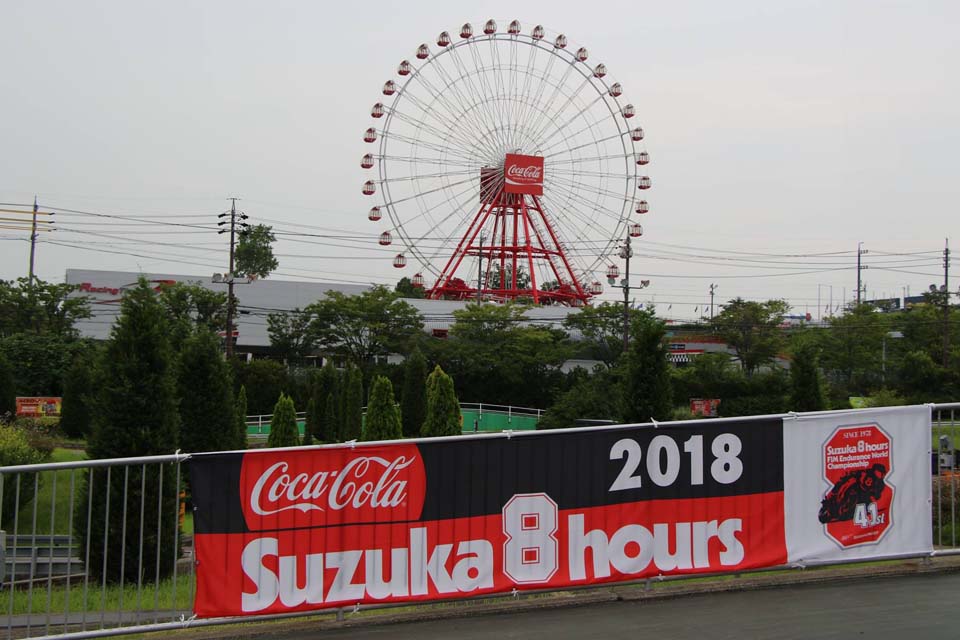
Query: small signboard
[38, 407]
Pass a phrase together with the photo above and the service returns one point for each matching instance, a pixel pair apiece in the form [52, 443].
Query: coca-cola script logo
[523, 174]
[331, 486]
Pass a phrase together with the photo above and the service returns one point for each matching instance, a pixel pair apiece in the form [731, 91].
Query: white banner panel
[857, 484]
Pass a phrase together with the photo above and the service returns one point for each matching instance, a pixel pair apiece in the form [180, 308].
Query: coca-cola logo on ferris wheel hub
[523, 174]
[331, 486]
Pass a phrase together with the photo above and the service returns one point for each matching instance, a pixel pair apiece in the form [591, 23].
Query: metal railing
[94, 545]
[104, 547]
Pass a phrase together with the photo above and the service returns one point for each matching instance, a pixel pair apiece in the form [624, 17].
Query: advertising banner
[38, 407]
[523, 174]
[301, 529]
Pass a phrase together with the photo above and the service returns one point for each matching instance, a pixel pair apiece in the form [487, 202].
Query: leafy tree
[254, 257]
[413, 397]
[192, 307]
[135, 414]
[352, 414]
[40, 361]
[207, 410]
[289, 334]
[806, 381]
[283, 425]
[8, 394]
[495, 277]
[43, 308]
[594, 397]
[923, 326]
[240, 420]
[406, 289]
[852, 348]
[443, 408]
[383, 416]
[922, 379]
[647, 393]
[374, 323]
[265, 380]
[75, 410]
[495, 355]
[752, 329]
[601, 326]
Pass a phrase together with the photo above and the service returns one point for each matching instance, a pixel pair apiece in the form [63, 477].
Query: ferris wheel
[505, 165]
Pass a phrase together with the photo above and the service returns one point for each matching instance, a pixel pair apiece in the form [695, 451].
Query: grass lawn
[113, 598]
[49, 481]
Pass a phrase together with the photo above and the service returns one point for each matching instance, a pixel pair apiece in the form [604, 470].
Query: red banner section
[529, 545]
[302, 529]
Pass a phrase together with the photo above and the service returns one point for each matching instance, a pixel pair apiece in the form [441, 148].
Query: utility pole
[860, 252]
[626, 252]
[230, 274]
[946, 302]
[713, 289]
[480, 271]
[33, 242]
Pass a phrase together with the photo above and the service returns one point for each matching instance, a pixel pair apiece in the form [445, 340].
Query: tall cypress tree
[325, 384]
[283, 424]
[352, 418]
[383, 416]
[75, 416]
[647, 392]
[331, 418]
[443, 408]
[135, 414]
[413, 398]
[240, 420]
[207, 410]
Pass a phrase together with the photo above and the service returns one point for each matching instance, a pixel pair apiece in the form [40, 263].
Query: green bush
[15, 449]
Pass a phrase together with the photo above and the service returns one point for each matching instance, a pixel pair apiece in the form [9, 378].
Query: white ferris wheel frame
[600, 249]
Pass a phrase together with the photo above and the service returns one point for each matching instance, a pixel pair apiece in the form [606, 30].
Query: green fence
[477, 417]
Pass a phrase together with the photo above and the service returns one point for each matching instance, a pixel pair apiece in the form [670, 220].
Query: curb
[652, 590]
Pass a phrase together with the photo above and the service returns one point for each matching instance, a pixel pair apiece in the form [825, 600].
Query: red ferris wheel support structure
[512, 234]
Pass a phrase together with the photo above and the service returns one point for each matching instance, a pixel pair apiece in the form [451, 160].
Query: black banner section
[472, 477]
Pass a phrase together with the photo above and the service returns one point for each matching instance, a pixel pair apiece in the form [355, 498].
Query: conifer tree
[443, 408]
[325, 384]
[307, 428]
[331, 418]
[383, 416]
[240, 420]
[352, 418]
[207, 410]
[135, 414]
[647, 392]
[283, 424]
[75, 414]
[413, 398]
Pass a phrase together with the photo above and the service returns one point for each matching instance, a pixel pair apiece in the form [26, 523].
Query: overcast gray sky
[780, 128]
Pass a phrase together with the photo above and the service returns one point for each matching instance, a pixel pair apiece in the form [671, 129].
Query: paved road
[911, 607]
